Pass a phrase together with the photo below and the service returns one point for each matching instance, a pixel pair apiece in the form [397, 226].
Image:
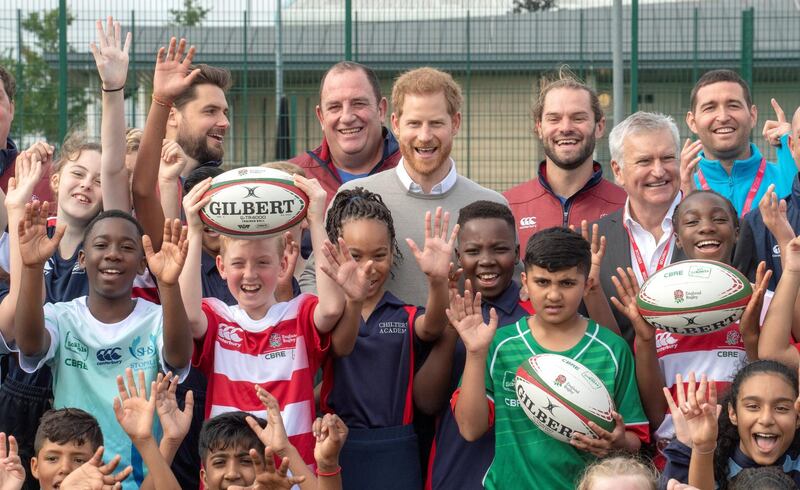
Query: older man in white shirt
[645, 159]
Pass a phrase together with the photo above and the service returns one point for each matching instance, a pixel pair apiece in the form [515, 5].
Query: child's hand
[678, 420]
[175, 422]
[434, 259]
[274, 434]
[352, 277]
[773, 130]
[193, 202]
[465, 315]
[133, 410]
[690, 158]
[674, 484]
[267, 476]
[111, 61]
[606, 442]
[773, 212]
[27, 173]
[791, 255]
[34, 245]
[172, 76]
[173, 161]
[598, 246]
[701, 412]
[627, 290]
[167, 264]
[284, 290]
[749, 324]
[94, 475]
[12, 473]
[316, 199]
[331, 433]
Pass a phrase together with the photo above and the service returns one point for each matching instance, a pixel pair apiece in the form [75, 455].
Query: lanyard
[751, 194]
[638, 255]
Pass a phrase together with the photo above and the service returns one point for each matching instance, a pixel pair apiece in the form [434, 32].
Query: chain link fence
[497, 55]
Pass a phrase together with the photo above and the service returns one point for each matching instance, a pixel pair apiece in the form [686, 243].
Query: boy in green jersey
[557, 263]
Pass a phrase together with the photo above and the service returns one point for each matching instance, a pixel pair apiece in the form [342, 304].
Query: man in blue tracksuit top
[756, 243]
[722, 115]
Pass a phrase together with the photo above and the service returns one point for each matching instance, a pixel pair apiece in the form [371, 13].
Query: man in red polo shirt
[355, 143]
[570, 186]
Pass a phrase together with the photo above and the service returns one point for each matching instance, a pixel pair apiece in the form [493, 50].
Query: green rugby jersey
[526, 457]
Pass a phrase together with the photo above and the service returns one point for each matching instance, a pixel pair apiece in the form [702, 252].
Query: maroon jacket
[317, 164]
[536, 207]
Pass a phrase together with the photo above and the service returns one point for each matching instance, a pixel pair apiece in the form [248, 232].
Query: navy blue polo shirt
[454, 462]
[372, 387]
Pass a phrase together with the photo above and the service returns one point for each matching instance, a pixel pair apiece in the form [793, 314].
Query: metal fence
[498, 56]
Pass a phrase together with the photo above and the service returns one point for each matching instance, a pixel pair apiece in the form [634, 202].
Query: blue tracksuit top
[736, 185]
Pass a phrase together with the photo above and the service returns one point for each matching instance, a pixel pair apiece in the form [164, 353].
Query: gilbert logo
[76, 346]
[527, 222]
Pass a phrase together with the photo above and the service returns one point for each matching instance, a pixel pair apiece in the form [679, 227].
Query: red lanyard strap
[637, 254]
[751, 194]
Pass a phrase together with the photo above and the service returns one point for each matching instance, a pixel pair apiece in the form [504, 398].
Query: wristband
[111, 89]
[162, 102]
[337, 471]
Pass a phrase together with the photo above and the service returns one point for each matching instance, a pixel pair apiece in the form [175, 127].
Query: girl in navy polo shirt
[368, 381]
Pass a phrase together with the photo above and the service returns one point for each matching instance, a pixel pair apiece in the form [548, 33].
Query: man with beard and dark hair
[570, 186]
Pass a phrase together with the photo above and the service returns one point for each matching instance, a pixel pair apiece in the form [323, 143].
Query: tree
[191, 15]
[533, 5]
[39, 84]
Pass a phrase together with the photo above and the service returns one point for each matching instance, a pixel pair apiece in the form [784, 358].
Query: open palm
[134, 411]
[34, 244]
[110, 58]
[167, 263]
[173, 75]
[434, 259]
[351, 276]
[12, 474]
[465, 315]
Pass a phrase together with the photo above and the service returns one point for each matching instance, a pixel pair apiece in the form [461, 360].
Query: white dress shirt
[648, 247]
[445, 185]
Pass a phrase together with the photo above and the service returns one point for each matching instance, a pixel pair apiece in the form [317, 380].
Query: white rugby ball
[253, 202]
[694, 297]
[560, 395]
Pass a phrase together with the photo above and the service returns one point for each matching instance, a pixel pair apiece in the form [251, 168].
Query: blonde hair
[133, 137]
[426, 81]
[619, 466]
[74, 145]
[284, 166]
[225, 242]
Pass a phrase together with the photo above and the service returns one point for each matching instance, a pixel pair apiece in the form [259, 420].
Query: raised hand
[465, 315]
[167, 264]
[678, 419]
[94, 475]
[773, 130]
[317, 198]
[625, 302]
[773, 212]
[27, 173]
[700, 410]
[267, 476]
[193, 202]
[690, 158]
[274, 434]
[434, 259]
[173, 161]
[111, 60]
[173, 75]
[134, 411]
[34, 244]
[598, 247]
[606, 441]
[331, 433]
[284, 290]
[12, 473]
[749, 324]
[791, 255]
[174, 421]
[352, 277]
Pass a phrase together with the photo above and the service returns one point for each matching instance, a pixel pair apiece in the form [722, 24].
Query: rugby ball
[561, 396]
[694, 297]
[253, 202]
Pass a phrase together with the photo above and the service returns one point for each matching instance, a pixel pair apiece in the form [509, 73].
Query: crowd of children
[145, 350]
